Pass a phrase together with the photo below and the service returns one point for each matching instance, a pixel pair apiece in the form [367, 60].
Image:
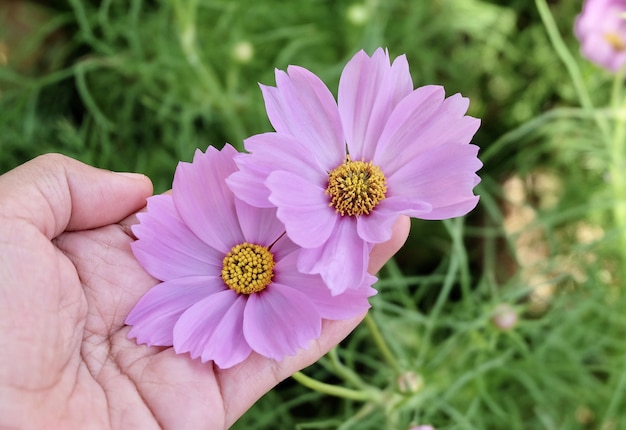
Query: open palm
[68, 281]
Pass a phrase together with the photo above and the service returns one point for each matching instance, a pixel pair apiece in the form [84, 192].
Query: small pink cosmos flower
[340, 173]
[230, 283]
[601, 30]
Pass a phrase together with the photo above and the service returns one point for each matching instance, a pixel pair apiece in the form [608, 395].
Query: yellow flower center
[356, 187]
[248, 268]
[615, 41]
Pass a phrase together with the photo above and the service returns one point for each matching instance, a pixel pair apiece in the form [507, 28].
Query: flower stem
[342, 371]
[455, 229]
[616, 398]
[614, 138]
[570, 64]
[381, 344]
[448, 282]
[333, 390]
[617, 164]
[185, 13]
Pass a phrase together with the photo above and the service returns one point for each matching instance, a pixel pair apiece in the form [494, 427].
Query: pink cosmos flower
[341, 172]
[230, 283]
[601, 30]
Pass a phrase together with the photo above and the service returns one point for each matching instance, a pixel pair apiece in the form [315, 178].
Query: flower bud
[243, 52]
[504, 316]
[410, 382]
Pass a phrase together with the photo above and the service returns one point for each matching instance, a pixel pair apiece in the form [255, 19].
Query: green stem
[381, 344]
[344, 372]
[616, 399]
[186, 19]
[455, 230]
[570, 64]
[448, 282]
[617, 163]
[614, 138]
[512, 137]
[515, 135]
[334, 390]
[90, 102]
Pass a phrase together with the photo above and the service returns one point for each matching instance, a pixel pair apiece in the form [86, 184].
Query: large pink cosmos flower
[601, 29]
[341, 173]
[230, 283]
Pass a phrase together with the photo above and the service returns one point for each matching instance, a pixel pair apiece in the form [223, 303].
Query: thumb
[57, 193]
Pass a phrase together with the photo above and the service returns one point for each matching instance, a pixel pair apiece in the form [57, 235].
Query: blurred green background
[137, 85]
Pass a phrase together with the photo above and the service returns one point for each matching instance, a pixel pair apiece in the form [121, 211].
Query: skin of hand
[68, 280]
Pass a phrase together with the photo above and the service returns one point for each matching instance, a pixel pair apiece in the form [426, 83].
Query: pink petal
[369, 90]
[270, 152]
[599, 18]
[212, 329]
[377, 227]
[276, 151]
[351, 303]
[442, 177]
[154, 316]
[204, 201]
[279, 321]
[247, 183]
[283, 247]
[341, 261]
[421, 121]
[259, 225]
[597, 50]
[302, 106]
[166, 248]
[302, 207]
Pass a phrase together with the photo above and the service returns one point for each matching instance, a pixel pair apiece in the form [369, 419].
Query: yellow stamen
[248, 268]
[356, 187]
[615, 41]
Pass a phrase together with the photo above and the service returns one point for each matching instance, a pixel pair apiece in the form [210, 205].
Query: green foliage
[137, 85]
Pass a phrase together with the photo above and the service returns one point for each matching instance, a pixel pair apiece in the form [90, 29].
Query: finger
[240, 394]
[56, 193]
[128, 222]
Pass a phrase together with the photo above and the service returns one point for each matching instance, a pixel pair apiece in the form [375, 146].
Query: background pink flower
[341, 172]
[218, 300]
[601, 29]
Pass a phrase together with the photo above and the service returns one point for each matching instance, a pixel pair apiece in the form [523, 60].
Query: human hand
[70, 279]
